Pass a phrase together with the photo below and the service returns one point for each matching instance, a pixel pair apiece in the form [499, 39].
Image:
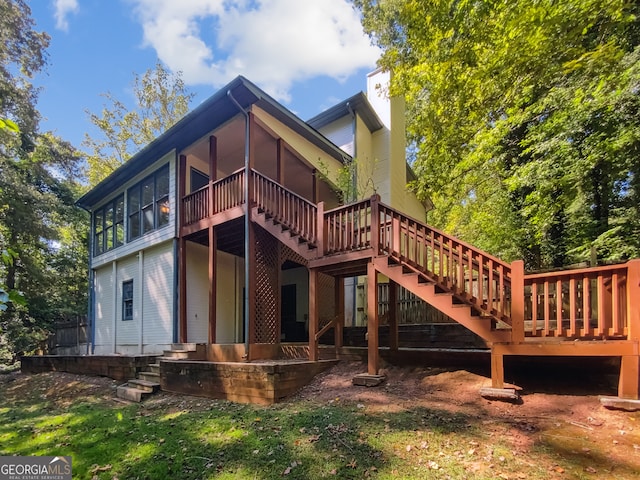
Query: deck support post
[212, 284]
[339, 325]
[497, 369]
[629, 384]
[517, 301]
[372, 319]
[393, 317]
[313, 315]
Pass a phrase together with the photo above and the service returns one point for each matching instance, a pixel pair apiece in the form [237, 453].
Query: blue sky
[308, 54]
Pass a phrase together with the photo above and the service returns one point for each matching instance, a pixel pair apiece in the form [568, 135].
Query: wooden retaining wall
[262, 383]
[112, 366]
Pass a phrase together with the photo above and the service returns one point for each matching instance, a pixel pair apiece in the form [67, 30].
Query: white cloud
[272, 42]
[64, 8]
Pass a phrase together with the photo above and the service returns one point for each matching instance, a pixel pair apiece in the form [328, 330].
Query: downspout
[247, 223]
[354, 179]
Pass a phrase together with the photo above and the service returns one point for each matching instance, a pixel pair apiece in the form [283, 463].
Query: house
[233, 230]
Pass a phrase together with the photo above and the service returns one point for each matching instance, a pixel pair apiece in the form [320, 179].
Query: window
[148, 204]
[198, 179]
[127, 300]
[108, 226]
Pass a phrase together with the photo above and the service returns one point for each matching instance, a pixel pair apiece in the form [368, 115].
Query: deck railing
[195, 206]
[347, 228]
[475, 276]
[584, 303]
[287, 208]
[228, 192]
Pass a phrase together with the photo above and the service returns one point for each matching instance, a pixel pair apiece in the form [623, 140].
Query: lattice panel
[327, 307]
[287, 254]
[267, 324]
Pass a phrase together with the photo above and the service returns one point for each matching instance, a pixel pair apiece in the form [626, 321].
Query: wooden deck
[583, 312]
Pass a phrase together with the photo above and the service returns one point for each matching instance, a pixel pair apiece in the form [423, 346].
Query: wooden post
[213, 169]
[375, 224]
[517, 301]
[182, 178]
[212, 284]
[313, 315]
[279, 161]
[372, 319]
[322, 234]
[182, 288]
[629, 384]
[497, 370]
[393, 316]
[339, 325]
[314, 186]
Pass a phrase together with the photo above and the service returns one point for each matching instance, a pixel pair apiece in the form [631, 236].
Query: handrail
[472, 275]
[286, 207]
[348, 228]
[579, 303]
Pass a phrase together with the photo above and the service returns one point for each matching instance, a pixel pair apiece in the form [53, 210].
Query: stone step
[147, 386]
[154, 368]
[191, 347]
[131, 393]
[149, 377]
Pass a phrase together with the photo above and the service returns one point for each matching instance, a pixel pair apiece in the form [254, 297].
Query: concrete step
[149, 377]
[131, 393]
[154, 368]
[177, 354]
[145, 385]
[191, 347]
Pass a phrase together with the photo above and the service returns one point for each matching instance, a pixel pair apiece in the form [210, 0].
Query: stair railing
[292, 211]
[348, 228]
[471, 275]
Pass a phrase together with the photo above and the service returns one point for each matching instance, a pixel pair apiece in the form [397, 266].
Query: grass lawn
[177, 437]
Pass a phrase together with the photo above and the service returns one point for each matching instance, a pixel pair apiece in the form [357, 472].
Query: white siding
[158, 298]
[127, 330]
[230, 281]
[197, 292]
[340, 133]
[104, 310]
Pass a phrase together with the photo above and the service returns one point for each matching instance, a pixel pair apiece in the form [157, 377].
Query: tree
[161, 100]
[525, 119]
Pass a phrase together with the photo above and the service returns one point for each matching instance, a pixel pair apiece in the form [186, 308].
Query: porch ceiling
[230, 237]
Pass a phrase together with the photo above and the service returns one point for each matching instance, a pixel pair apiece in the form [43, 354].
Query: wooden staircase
[585, 312]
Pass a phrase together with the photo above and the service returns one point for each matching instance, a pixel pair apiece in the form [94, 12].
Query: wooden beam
[372, 319]
[182, 178]
[393, 316]
[497, 370]
[213, 158]
[313, 315]
[182, 288]
[212, 284]
[517, 301]
[629, 383]
[339, 326]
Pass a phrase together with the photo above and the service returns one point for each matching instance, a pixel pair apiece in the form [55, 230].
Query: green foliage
[525, 118]
[161, 100]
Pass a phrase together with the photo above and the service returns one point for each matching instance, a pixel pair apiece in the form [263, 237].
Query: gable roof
[357, 103]
[209, 115]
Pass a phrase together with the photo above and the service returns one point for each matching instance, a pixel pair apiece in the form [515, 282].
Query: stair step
[176, 354]
[145, 385]
[191, 347]
[149, 376]
[131, 393]
[154, 367]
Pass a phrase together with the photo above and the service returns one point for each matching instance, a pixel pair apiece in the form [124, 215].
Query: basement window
[127, 300]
